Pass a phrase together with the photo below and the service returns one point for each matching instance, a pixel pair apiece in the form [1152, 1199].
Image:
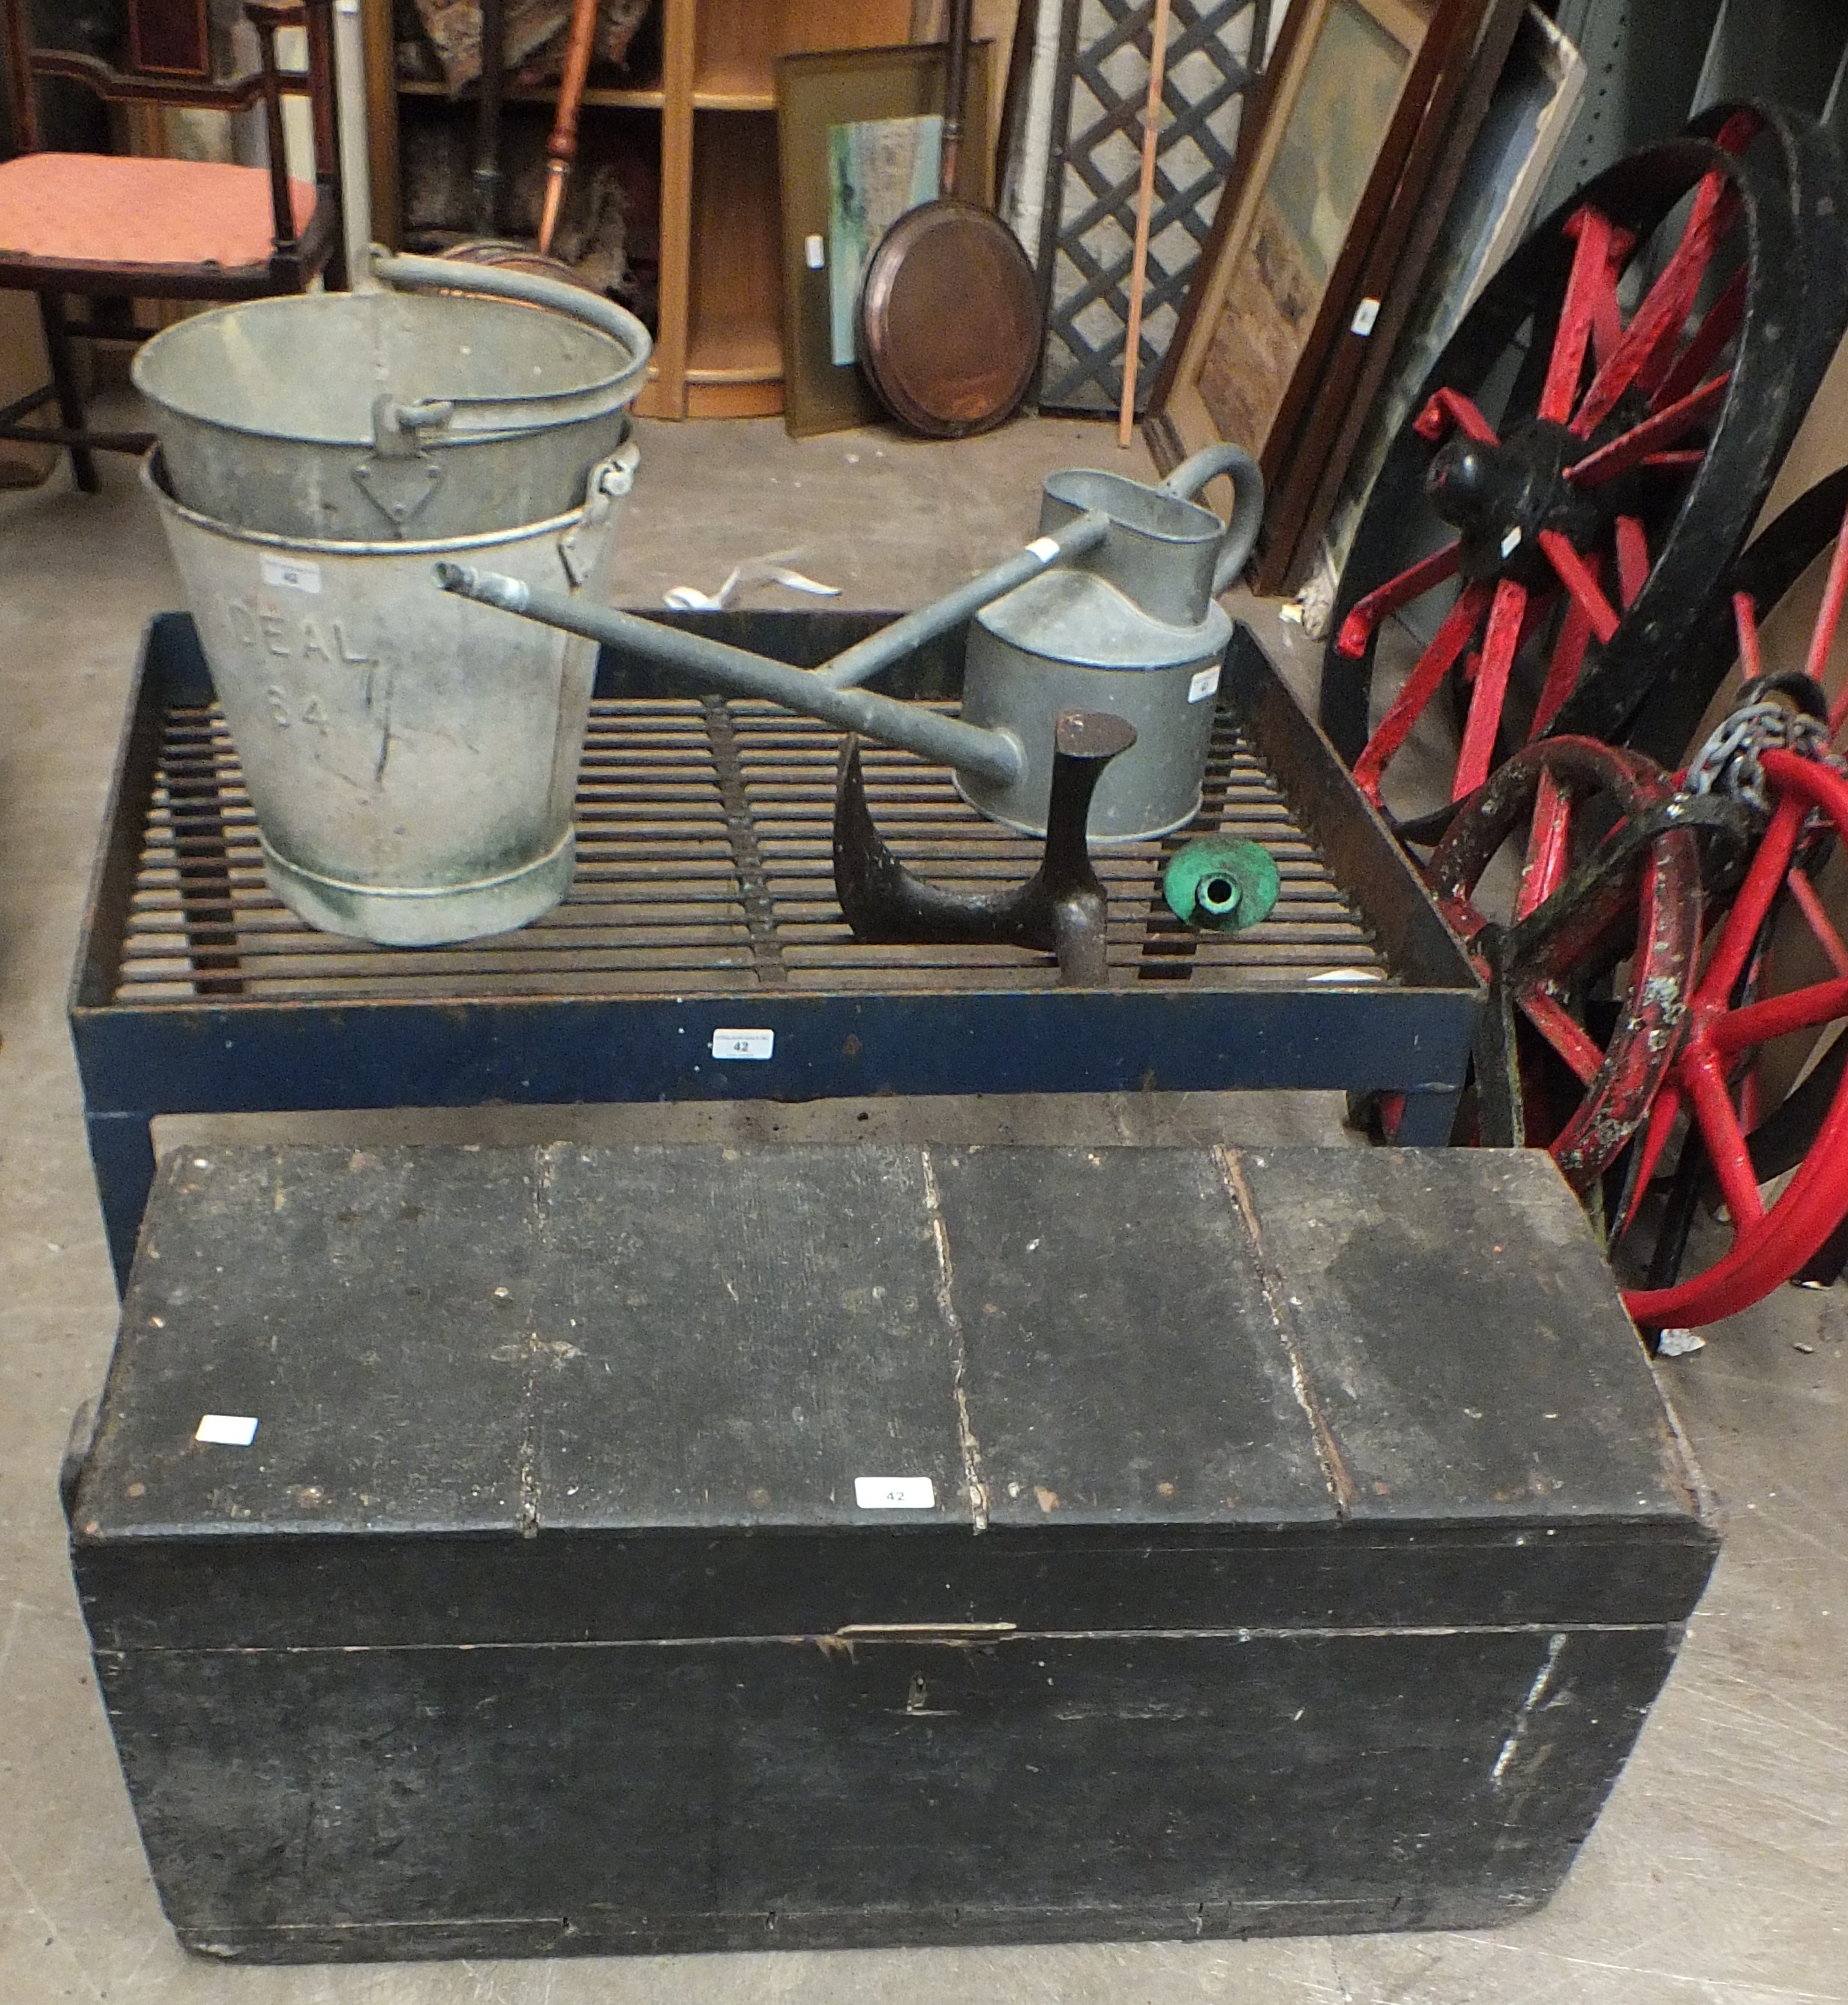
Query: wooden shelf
[744, 350]
[610, 97]
[733, 365]
[738, 90]
[739, 41]
[718, 346]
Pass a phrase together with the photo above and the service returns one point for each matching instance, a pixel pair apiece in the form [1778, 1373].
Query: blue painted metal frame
[139, 1061]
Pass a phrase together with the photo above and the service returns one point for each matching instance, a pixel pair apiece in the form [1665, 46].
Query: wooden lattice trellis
[1215, 52]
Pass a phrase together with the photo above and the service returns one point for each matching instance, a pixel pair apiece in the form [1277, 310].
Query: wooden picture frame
[814, 93]
[1468, 65]
[1346, 92]
[1496, 195]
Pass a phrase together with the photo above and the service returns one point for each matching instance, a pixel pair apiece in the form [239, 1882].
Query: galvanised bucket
[411, 767]
[358, 416]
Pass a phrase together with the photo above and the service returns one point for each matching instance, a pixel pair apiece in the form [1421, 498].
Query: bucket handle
[443, 275]
[610, 480]
[1247, 502]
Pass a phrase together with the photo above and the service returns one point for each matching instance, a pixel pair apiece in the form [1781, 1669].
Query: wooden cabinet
[718, 346]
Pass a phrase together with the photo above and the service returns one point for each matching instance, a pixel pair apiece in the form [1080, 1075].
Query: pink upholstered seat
[97, 209]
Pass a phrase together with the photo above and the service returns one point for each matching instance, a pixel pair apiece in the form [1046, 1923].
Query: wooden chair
[111, 226]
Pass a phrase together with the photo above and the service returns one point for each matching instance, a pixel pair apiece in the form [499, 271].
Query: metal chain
[1729, 762]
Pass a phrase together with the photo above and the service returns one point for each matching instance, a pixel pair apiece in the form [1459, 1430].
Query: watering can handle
[445, 275]
[1247, 502]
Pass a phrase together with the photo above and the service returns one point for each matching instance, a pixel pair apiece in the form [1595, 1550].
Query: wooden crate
[669, 1548]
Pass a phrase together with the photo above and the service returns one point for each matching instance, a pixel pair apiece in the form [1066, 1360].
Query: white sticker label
[895, 1492]
[815, 251]
[1511, 542]
[1365, 315]
[228, 1430]
[1204, 684]
[743, 1043]
[1044, 548]
[288, 577]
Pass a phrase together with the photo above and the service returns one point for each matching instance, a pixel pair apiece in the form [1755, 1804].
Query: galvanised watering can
[1111, 608]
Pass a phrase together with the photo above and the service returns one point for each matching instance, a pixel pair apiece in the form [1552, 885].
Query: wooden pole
[563, 145]
[1138, 269]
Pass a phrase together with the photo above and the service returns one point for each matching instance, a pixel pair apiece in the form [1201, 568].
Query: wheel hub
[1499, 496]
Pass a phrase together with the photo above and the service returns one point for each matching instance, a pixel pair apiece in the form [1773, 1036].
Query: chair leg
[63, 377]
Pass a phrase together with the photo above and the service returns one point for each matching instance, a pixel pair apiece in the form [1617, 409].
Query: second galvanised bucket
[418, 415]
[411, 767]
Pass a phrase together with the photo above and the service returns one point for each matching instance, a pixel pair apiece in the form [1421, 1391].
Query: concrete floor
[1718, 1872]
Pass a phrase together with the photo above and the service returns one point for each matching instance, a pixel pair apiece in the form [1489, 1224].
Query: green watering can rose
[1220, 884]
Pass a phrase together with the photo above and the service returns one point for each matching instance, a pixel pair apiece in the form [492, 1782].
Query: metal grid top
[704, 868]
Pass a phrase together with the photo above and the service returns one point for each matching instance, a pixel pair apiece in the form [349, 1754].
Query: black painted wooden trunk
[1284, 1540]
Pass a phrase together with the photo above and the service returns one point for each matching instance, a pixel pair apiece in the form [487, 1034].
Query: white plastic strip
[743, 1043]
[895, 1492]
[227, 1430]
[302, 574]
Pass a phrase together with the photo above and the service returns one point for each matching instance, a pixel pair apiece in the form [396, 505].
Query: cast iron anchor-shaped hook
[1061, 909]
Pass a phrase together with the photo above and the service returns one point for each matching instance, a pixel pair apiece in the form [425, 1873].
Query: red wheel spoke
[1746, 624]
[1646, 352]
[1451, 407]
[1607, 314]
[1778, 1016]
[1725, 1140]
[1822, 636]
[1739, 130]
[1381, 603]
[1662, 1115]
[1820, 924]
[1569, 657]
[1812, 1205]
[1631, 448]
[1672, 462]
[1547, 851]
[1718, 326]
[1752, 900]
[1632, 558]
[1499, 644]
[1436, 661]
[1562, 1030]
[1748, 1091]
[1579, 580]
[1591, 275]
[1713, 211]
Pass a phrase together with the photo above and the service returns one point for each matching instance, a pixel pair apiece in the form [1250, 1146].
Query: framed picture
[859, 140]
[1344, 96]
[1488, 213]
[1470, 58]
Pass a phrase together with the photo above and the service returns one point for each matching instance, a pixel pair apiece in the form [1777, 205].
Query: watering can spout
[491, 588]
[993, 755]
